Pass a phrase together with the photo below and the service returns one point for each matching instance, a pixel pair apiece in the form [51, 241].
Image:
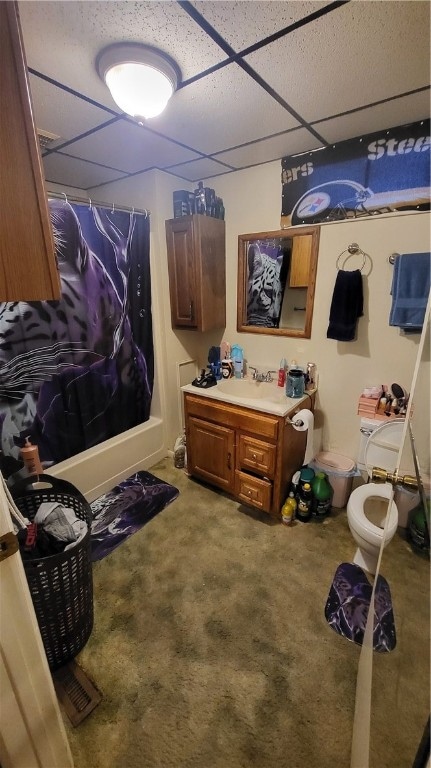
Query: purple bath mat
[124, 510]
[348, 604]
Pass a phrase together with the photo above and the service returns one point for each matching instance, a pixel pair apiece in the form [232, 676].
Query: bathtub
[98, 469]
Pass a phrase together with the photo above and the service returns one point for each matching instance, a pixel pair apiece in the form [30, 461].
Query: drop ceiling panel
[129, 147]
[61, 113]
[223, 110]
[199, 169]
[360, 53]
[261, 19]
[412, 108]
[59, 168]
[62, 39]
[270, 149]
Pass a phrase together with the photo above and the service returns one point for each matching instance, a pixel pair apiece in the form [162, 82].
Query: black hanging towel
[347, 305]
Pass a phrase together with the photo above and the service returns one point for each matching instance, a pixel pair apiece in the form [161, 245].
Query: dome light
[141, 79]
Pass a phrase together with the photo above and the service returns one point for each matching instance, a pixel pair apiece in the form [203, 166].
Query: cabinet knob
[253, 456]
[249, 492]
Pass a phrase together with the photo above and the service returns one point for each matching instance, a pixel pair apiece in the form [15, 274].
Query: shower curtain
[78, 371]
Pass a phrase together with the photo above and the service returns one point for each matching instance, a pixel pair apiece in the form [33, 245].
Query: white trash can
[341, 471]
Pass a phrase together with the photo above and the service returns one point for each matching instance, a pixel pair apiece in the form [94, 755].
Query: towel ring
[352, 250]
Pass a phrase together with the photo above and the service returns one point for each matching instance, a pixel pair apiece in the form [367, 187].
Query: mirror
[276, 281]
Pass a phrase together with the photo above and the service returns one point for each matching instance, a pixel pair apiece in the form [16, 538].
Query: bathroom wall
[253, 203]
[381, 354]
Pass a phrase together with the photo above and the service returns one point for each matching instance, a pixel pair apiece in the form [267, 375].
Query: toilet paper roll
[306, 417]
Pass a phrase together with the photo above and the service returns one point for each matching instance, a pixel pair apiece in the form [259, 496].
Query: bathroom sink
[260, 395]
[249, 389]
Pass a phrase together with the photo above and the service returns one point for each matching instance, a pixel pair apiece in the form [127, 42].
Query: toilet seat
[358, 520]
[383, 446]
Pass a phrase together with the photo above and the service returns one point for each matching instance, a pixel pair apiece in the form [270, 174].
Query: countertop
[260, 396]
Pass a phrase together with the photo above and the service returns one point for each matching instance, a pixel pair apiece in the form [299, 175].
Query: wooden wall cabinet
[248, 454]
[301, 261]
[28, 266]
[197, 272]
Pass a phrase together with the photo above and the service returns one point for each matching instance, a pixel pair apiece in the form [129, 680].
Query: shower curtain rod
[90, 202]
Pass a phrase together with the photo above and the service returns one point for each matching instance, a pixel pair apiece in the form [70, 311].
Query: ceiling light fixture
[140, 78]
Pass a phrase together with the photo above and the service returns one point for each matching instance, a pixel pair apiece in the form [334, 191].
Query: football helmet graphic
[332, 201]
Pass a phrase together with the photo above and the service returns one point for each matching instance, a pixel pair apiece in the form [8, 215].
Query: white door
[32, 732]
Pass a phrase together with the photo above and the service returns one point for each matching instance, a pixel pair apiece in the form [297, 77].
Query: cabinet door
[28, 266]
[181, 248]
[211, 452]
[300, 264]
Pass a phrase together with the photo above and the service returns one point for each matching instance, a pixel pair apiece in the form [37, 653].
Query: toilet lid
[383, 446]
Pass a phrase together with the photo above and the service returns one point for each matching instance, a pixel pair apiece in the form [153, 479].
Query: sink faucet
[262, 376]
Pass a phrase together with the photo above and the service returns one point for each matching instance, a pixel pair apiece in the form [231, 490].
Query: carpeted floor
[211, 648]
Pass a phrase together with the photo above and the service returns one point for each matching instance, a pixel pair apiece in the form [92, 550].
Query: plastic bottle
[180, 452]
[418, 528]
[322, 495]
[200, 202]
[305, 496]
[289, 509]
[282, 373]
[30, 457]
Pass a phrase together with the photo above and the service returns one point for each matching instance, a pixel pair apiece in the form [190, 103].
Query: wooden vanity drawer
[233, 416]
[256, 456]
[252, 490]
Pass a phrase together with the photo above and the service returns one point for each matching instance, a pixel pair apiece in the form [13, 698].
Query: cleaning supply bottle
[180, 452]
[305, 496]
[322, 495]
[418, 531]
[289, 509]
[30, 457]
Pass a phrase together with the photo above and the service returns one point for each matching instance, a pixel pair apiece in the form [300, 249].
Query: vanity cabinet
[28, 262]
[249, 454]
[301, 262]
[197, 272]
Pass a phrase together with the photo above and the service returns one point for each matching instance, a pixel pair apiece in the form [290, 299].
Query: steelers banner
[378, 173]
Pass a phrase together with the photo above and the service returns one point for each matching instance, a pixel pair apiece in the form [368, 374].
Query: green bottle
[418, 528]
[322, 495]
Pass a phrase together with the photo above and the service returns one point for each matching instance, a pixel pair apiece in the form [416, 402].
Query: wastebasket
[61, 585]
[340, 471]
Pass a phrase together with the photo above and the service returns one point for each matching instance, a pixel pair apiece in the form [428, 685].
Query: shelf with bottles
[203, 201]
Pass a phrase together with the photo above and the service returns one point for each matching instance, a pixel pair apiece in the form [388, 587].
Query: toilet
[369, 504]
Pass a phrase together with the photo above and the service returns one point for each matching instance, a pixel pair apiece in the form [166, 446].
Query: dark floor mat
[348, 604]
[124, 510]
[76, 692]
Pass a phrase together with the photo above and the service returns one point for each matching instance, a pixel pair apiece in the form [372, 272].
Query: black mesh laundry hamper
[61, 585]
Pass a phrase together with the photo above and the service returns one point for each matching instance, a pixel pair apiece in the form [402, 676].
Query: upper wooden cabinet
[301, 262]
[28, 264]
[197, 272]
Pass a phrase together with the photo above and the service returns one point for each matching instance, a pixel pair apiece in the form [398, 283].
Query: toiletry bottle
[200, 198]
[382, 402]
[30, 457]
[282, 373]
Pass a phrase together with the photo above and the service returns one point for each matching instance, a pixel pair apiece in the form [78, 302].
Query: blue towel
[410, 290]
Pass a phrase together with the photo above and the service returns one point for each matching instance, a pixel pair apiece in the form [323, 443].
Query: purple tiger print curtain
[80, 370]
